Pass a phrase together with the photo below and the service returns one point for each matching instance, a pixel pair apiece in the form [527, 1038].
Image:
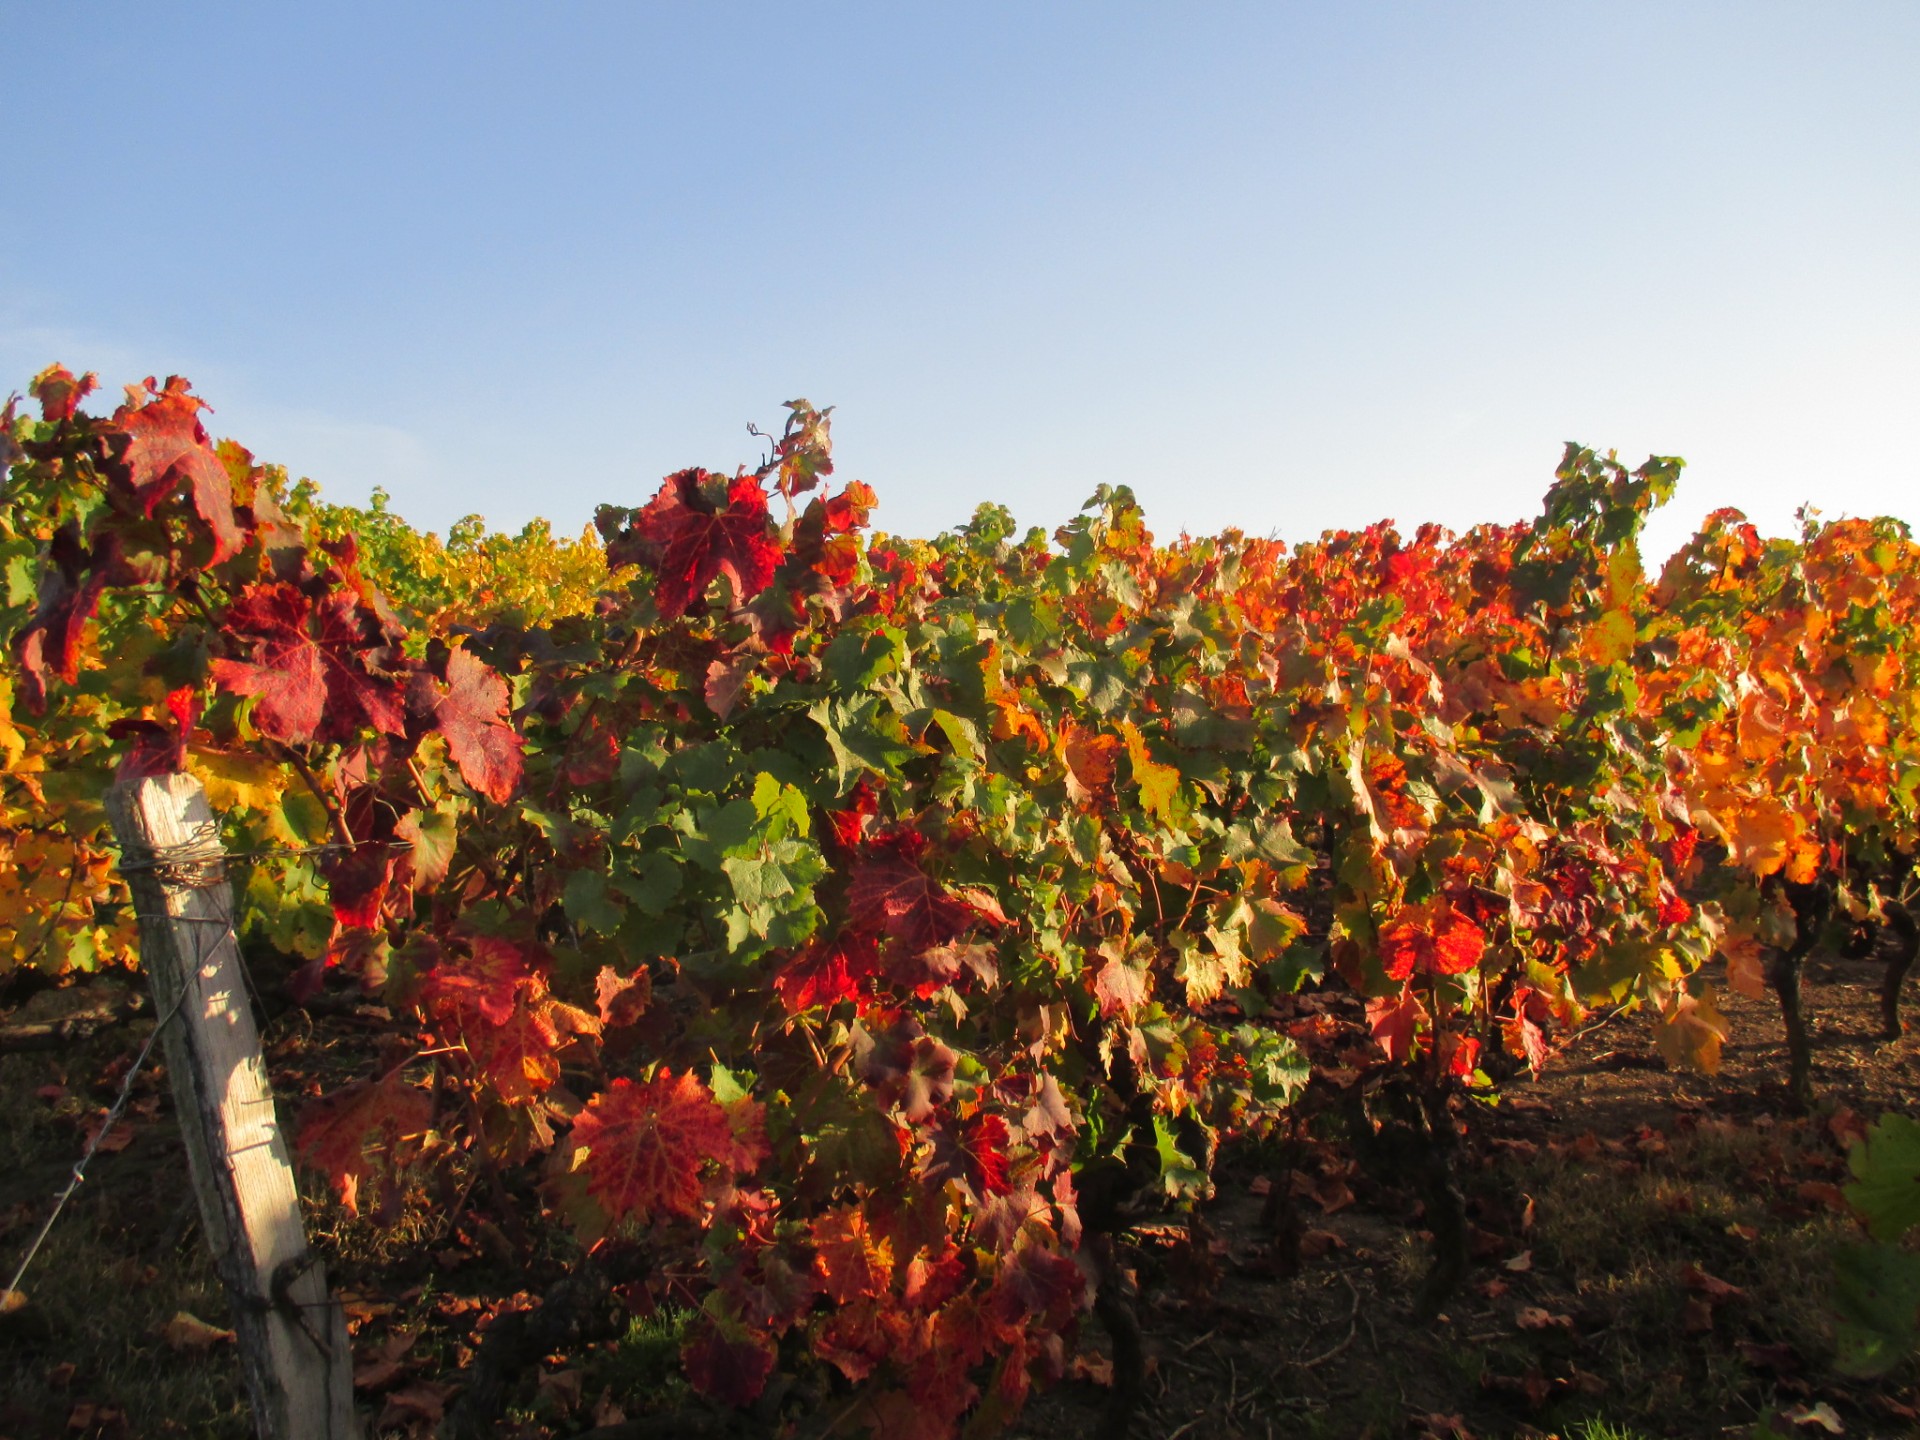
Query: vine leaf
[827, 972]
[699, 526]
[470, 709]
[1120, 987]
[891, 894]
[1394, 1020]
[341, 1135]
[1690, 1031]
[1886, 1176]
[908, 1069]
[167, 446]
[850, 1259]
[60, 393]
[642, 1146]
[622, 999]
[484, 986]
[975, 1154]
[1433, 937]
[733, 1369]
[306, 662]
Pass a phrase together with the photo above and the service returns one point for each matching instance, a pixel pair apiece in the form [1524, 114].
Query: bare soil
[1600, 1194]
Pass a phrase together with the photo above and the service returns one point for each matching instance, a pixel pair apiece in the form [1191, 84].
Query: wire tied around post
[199, 862]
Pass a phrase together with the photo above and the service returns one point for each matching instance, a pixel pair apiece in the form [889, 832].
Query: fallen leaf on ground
[1534, 1387]
[1532, 1317]
[110, 1143]
[106, 1422]
[1583, 1147]
[189, 1332]
[561, 1388]
[134, 1275]
[1769, 1357]
[1715, 1289]
[1819, 1192]
[1315, 1243]
[1821, 1414]
[1521, 1262]
[1095, 1368]
[358, 1310]
[1483, 1244]
[606, 1411]
[1331, 1195]
[387, 1363]
[1846, 1127]
[422, 1400]
[1514, 1149]
[1584, 1382]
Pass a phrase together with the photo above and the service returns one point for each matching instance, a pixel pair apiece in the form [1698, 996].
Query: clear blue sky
[1283, 267]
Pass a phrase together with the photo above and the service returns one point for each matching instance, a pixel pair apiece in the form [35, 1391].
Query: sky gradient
[1279, 267]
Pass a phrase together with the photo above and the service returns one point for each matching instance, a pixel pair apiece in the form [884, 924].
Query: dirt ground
[1650, 1260]
[1607, 1197]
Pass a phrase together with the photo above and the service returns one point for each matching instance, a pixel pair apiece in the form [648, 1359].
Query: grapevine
[850, 935]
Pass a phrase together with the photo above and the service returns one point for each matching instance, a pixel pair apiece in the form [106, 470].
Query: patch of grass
[642, 1368]
[1597, 1429]
[1616, 1239]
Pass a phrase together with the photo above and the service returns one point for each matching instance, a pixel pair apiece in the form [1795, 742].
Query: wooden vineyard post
[292, 1339]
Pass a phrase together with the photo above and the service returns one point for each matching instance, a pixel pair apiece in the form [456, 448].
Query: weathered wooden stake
[293, 1341]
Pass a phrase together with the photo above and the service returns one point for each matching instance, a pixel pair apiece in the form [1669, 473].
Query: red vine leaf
[1433, 938]
[1048, 1117]
[850, 1259]
[1038, 1285]
[851, 826]
[357, 882]
[891, 894]
[732, 1369]
[339, 1135]
[1394, 1019]
[975, 1154]
[644, 1145]
[517, 1056]
[622, 999]
[158, 748]
[688, 536]
[486, 985]
[907, 1069]
[726, 681]
[1120, 988]
[471, 710]
[1090, 758]
[59, 393]
[71, 585]
[748, 1149]
[828, 971]
[309, 664]
[167, 447]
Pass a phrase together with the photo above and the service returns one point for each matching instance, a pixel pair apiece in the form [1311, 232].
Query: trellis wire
[79, 1173]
